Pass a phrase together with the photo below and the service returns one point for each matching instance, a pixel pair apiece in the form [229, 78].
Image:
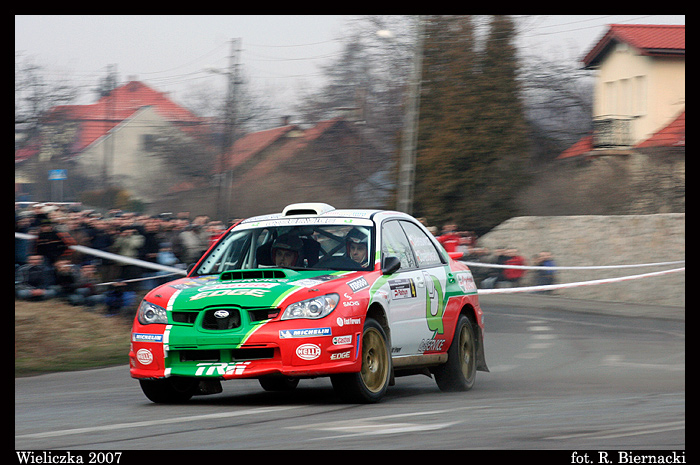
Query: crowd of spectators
[47, 267]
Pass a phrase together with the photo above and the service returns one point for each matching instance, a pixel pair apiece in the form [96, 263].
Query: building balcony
[612, 132]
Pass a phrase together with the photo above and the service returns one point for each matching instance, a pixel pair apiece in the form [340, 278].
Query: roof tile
[649, 39]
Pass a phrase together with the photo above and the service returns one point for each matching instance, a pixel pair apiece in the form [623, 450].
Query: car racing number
[417, 306]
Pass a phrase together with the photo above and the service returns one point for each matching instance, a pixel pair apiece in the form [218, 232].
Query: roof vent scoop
[310, 208]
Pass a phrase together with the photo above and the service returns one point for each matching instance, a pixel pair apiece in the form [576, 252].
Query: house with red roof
[110, 142]
[633, 161]
[333, 161]
[117, 142]
[639, 94]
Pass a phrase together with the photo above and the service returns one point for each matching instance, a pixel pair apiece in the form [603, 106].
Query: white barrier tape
[598, 267]
[128, 260]
[145, 278]
[156, 266]
[115, 257]
[550, 287]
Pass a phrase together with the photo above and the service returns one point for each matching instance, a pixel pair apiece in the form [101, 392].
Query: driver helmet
[357, 236]
[287, 242]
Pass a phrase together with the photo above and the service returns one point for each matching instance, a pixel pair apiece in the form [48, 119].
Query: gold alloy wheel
[466, 349]
[375, 361]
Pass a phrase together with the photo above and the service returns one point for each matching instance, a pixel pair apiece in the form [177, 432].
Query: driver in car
[356, 246]
[285, 250]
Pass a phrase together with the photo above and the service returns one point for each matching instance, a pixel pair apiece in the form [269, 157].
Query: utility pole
[407, 160]
[109, 84]
[224, 184]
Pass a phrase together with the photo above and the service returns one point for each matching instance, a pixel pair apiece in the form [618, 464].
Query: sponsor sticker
[428, 345]
[240, 285]
[348, 321]
[308, 352]
[341, 356]
[146, 337]
[358, 284]
[221, 368]
[341, 340]
[144, 356]
[311, 282]
[306, 332]
[466, 282]
[402, 288]
[222, 292]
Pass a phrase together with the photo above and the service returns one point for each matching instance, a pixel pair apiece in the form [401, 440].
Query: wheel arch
[378, 313]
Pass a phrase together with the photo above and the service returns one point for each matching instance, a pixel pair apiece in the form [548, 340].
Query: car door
[416, 290]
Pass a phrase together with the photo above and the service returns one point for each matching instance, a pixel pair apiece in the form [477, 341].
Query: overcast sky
[279, 52]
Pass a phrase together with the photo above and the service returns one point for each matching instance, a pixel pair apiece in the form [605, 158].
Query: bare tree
[558, 97]
[35, 95]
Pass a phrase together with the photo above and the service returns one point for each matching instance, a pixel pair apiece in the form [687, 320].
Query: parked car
[291, 295]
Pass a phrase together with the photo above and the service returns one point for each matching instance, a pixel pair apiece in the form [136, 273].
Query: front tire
[173, 390]
[371, 383]
[459, 372]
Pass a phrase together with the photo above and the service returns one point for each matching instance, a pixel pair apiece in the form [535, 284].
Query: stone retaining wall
[603, 240]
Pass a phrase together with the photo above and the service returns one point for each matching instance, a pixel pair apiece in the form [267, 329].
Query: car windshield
[337, 244]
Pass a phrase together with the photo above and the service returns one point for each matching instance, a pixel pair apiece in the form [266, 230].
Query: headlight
[317, 307]
[149, 314]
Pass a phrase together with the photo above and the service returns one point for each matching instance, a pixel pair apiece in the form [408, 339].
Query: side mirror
[390, 265]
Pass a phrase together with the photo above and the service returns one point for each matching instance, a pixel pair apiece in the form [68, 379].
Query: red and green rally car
[362, 296]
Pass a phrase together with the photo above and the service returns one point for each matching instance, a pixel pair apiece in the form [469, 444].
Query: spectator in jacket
[449, 237]
[512, 276]
[67, 280]
[544, 277]
[51, 243]
[128, 244]
[33, 281]
[195, 241]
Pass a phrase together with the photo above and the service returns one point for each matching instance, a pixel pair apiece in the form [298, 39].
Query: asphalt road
[564, 375]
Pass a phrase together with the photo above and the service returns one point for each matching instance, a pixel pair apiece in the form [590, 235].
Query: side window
[395, 243]
[423, 247]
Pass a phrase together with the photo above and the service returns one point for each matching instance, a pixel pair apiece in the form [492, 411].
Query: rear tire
[459, 372]
[371, 383]
[173, 390]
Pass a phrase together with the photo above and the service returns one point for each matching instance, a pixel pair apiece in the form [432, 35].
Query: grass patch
[54, 336]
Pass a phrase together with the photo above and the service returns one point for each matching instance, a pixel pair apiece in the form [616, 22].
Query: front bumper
[293, 350]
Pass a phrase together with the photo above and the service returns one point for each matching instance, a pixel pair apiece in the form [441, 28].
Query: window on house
[625, 104]
[609, 98]
[640, 95]
[148, 142]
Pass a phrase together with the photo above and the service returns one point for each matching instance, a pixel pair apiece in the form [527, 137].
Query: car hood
[245, 288]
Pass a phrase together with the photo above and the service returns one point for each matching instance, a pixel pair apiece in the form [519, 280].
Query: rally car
[362, 296]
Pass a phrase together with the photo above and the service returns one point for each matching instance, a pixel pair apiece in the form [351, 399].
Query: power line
[295, 45]
[216, 49]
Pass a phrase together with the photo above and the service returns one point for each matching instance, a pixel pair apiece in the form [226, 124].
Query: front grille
[210, 321]
[262, 314]
[221, 318]
[185, 317]
[253, 353]
[234, 355]
[200, 355]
